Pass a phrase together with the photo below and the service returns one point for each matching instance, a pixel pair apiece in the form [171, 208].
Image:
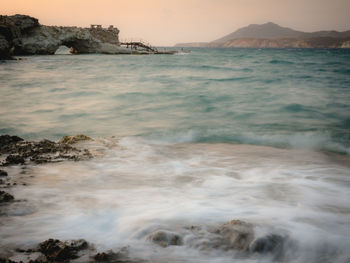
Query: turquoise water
[283, 98]
[187, 151]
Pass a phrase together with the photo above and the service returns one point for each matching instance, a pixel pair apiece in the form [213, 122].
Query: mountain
[268, 30]
[273, 35]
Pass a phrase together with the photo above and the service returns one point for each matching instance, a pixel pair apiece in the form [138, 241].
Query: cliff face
[47, 39]
[11, 30]
[23, 35]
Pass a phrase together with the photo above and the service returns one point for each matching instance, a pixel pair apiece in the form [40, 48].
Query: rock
[23, 35]
[77, 245]
[5, 197]
[7, 140]
[30, 257]
[5, 51]
[122, 256]
[165, 238]
[267, 244]
[55, 250]
[106, 256]
[12, 28]
[235, 234]
[14, 159]
[3, 173]
[44, 151]
[24, 22]
[346, 44]
[74, 139]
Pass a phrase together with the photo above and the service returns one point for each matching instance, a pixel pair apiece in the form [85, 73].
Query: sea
[195, 139]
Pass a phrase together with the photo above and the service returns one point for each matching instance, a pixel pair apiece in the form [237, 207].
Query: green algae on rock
[74, 139]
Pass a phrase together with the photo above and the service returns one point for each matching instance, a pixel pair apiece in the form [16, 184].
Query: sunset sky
[166, 22]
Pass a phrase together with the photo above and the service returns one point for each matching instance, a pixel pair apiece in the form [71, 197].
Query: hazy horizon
[167, 22]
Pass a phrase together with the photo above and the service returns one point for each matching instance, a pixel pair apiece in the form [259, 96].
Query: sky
[167, 22]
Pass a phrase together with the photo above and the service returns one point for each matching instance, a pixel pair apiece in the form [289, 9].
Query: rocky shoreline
[16, 151]
[236, 236]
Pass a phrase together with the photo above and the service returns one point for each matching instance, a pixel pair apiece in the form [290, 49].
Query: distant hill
[268, 30]
[273, 35]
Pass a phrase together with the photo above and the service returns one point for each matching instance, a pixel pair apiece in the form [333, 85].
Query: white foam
[135, 187]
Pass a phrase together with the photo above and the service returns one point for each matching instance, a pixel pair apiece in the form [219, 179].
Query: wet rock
[165, 238]
[30, 257]
[268, 244]
[44, 151]
[77, 245]
[6, 141]
[5, 197]
[106, 256]
[74, 139]
[235, 234]
[14, 159]
[122, 256]
[3, 173]
[55, 250]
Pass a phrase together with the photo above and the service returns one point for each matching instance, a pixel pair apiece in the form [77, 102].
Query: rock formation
[24, 35]
[14, 150]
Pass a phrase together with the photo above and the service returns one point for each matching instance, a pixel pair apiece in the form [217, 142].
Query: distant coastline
[271, 35]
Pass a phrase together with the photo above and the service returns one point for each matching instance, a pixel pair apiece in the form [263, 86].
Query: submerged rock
[74, 139]
[3, 173]
[5, 197]
[122, 256]
[165, 238]
[28, 257]
[267, 244]
[235, 234]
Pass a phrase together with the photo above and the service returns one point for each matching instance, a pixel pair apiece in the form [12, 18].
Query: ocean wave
[277, 61]
[308, 140]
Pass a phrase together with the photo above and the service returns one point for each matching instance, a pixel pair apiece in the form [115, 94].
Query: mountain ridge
[273, 35]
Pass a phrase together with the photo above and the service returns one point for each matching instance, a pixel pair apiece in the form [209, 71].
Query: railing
[137, 42]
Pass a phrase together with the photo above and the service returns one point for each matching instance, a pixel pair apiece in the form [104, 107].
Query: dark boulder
[267, 244]
[5, 197]
[3, 173]
[14, 159]
[122, 256]
[8, 140]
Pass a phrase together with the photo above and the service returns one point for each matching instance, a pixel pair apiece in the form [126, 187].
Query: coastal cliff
[24, 35]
